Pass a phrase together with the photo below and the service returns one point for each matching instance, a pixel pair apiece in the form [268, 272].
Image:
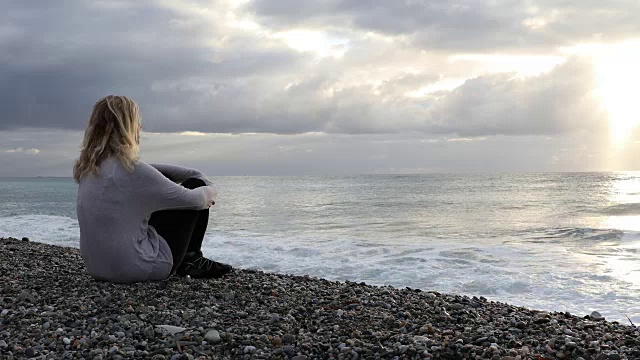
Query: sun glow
[313, 41]
[619, 78]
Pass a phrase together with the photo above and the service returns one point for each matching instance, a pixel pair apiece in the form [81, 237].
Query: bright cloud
[20, 150]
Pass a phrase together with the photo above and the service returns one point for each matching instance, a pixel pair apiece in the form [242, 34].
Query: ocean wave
[572, 233]
[622, 209]
[51, 229]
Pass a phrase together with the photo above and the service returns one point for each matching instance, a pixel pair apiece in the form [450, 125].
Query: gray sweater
[116, 242]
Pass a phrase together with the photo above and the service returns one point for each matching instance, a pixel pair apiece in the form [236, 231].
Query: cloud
[170, 57]
[462, 25]
[193, 133]
[32, 151]
[216, 67]
[560, 101]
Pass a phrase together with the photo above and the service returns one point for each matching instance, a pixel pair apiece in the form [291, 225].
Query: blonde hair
[113, 130]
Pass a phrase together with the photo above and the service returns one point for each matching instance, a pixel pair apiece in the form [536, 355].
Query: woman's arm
[156, 192]
[179, 174]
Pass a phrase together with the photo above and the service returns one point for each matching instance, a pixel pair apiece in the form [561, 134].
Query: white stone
[212, 337]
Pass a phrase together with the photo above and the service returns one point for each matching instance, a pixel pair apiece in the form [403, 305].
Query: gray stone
[3, 344]
[46, 325]
[30, 352]
[66, 341]
[242, 314]
[212, 337]
[26, 296]
[289, 350]
[596, 316]
[288, 339]
[249, 349]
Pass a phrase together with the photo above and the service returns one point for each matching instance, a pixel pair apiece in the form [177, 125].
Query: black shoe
[199, 267]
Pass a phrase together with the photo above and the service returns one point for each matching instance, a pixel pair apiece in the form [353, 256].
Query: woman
[138, 222]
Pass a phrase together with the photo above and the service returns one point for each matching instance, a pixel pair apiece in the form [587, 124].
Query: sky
[288, 87]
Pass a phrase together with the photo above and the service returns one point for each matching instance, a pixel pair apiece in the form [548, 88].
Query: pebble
[288, 339]
[30, 352]
[212, 336]
[596, 316]
[274, 318]
[289, 350]
[26, 296]
[262, 315]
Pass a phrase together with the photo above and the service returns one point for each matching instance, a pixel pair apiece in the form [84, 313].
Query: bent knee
[193, 183]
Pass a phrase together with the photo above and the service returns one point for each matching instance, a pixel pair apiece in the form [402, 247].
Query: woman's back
[114, 207]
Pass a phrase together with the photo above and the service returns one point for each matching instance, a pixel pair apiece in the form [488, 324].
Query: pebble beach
[51, 308]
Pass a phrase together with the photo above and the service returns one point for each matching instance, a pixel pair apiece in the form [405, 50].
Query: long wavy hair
[113, 130]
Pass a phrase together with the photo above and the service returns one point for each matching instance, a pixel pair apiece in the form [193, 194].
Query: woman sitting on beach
[138, 222]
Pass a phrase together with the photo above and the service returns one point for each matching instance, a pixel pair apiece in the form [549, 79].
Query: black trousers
[182, 229]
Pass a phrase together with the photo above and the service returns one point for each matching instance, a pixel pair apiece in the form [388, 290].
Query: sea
[547, 241]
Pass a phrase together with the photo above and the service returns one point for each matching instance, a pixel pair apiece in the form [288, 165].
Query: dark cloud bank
[189, 73]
